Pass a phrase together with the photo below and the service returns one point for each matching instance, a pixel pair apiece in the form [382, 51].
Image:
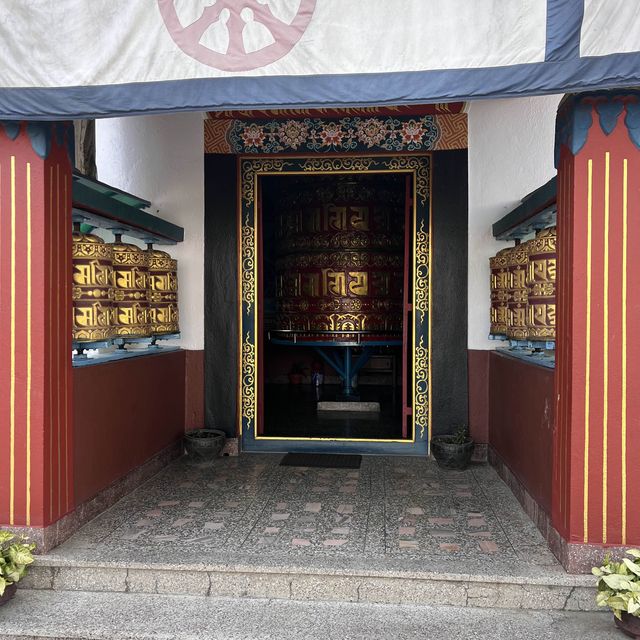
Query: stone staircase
[322, 580]
[90, 600]
[81, 615]
[188, 556]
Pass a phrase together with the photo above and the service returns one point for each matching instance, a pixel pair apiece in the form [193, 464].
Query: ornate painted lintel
[348, 134]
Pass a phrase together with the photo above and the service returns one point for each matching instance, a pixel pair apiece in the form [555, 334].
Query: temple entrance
[335, 291]
[334, 275]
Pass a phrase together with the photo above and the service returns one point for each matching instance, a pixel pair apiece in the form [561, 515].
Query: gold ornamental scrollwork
[337, 164]
[422, 272]
[249, 170]
[422, 167]
[248, 265]
[342, 317]
[248, 380]
[421, 396]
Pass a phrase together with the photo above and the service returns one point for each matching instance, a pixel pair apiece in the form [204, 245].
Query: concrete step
[68, 615]
[305, 581]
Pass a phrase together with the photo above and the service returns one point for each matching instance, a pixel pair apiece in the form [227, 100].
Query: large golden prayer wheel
[499, 292]
[541, 284]
[163, 293]
[92, 288]
[339, 264]
[131, 268]
[517, 262]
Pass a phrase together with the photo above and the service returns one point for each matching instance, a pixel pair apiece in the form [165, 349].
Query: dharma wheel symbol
[239, 35]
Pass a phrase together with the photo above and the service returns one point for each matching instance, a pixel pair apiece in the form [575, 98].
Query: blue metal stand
[346, 369]
[343, 341]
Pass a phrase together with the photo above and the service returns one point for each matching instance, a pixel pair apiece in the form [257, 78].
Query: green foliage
[619, 584]
[461, 435]
[15, 556]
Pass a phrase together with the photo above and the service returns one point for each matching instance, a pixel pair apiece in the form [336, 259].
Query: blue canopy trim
[563, 71]
[564, 21]
[581, 74]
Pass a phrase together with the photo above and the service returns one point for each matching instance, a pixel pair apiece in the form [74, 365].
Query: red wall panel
[124, 413]
[521, 417]
[479, 394]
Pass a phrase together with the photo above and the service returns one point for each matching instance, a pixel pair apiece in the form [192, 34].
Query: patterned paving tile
[389, 508]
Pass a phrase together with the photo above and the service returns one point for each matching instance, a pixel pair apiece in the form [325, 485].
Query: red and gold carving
[163, 293]
[541, 285]
[131, 269]
[340, 257]
[517, 303]
[499, 292]
[92, 289]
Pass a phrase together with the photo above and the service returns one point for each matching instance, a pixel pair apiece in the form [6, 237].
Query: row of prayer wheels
[523, 290]
[121, 291]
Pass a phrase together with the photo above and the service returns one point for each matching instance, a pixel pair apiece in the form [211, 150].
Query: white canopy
[77, 58]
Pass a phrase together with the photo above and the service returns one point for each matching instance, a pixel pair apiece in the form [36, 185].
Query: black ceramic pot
[9, 592]
[629, 625]
[204, 444]
[449, 454]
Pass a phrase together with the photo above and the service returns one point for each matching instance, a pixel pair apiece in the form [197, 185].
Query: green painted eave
[101, 205]
[536, 211]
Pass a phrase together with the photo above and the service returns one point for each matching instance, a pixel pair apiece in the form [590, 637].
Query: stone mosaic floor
[392, 512]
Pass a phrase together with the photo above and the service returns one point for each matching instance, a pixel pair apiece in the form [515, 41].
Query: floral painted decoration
[346, 134]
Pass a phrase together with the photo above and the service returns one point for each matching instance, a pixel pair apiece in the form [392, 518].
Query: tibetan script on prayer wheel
[163, 293]
[541, 285]
[517, 303]
[339, 263]
[130, 265]
[499, 292]
[92, 289]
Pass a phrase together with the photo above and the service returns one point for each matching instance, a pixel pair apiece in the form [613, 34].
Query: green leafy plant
[15, 556]
[460, 435]
[619, 585]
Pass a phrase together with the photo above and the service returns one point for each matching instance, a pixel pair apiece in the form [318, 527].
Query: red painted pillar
[36, 480]
[596, 472]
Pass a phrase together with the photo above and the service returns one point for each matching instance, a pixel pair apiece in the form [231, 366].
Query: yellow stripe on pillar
[625, 188]
[12, 347]
[28, 412]
[605, 354]
[587, 382]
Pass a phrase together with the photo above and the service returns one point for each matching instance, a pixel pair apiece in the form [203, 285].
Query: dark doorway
[333, 276]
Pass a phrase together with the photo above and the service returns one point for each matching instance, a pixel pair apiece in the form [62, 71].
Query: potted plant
[453, 451]
[15, 556]
[204, 445]
[296, 373]
[619, 589]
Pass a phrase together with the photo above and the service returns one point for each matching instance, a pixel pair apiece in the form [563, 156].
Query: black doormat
[324, 460]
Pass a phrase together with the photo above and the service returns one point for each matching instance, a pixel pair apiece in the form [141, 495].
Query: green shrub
[619, 584]
[15, 556]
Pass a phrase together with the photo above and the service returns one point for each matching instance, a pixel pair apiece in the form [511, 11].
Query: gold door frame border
[250, 169]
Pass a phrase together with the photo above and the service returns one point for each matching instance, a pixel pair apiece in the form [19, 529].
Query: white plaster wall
[510, 154]
[160, 158]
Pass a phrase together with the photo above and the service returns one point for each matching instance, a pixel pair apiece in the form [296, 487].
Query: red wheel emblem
[242, 34]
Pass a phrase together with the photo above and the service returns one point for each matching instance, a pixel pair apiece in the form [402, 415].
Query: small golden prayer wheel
[131, 268]
[517, 305]
[92, 288]
[499, 292]
[541, 284]
[163, 292]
